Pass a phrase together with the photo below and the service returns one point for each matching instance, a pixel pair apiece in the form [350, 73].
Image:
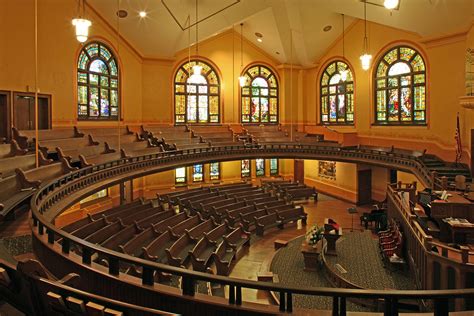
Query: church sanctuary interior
[236, 157]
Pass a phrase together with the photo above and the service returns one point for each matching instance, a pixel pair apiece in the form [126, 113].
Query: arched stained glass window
[337, 95]
[259, 96]
[400, 87]
[260, 167]
[97, 83]
[196, 102]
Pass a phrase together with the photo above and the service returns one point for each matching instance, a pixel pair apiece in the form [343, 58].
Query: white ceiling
[159, 36]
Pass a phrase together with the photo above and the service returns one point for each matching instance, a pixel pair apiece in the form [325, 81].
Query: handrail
[79, 183]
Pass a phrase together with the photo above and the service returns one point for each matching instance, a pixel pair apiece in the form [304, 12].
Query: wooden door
[24, 111]
[5, 115]
[299, 170]
[364, 187]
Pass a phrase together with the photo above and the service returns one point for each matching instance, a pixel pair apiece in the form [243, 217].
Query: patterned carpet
[288, 264]
[17, 245]
[355, 250]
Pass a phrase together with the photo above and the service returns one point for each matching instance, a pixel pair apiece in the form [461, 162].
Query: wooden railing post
[441, 307]
[434, 175]
[464, 254]
[444, 183]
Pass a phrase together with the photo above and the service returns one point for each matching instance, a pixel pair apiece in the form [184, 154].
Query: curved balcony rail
[56, 196]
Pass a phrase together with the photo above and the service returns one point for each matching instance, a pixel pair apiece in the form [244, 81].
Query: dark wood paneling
[364, 187]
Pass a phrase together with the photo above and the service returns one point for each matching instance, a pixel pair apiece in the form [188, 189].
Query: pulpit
[332, 232]
[331, 243]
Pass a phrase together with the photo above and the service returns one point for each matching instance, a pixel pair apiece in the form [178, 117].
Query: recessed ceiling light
[122, 14]
[327, 28]
[142, 14]
[278, 53]
[259, 37]
[259, 40]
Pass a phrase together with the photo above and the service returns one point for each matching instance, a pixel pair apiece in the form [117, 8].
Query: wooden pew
[179, 229]
[155, 250]
[12, 195]
[155, 218]
[24, 162]
[234, 216]
[173, 196]
[228, 249]
[201, 254]
[267, 221]
[34, 178]
[49, 146]
[25, 137]
[106, 131]
[248, 219]
[96, 216]
[298, 193]
[292, 215]
[90, 228]
[134, 246]
[163, 225]
[11, 150]
[121, 237]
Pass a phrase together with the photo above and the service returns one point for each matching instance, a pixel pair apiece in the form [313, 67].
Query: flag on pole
[458, 141]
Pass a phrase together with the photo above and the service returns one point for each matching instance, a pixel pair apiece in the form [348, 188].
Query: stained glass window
[215, 170]
[196, 102]
[245, 168]
[198, 173]
[400, 90]
[259, 102]
[337, 95]
[180, 175]
[260, 167]
[273, 166]
[97, 83]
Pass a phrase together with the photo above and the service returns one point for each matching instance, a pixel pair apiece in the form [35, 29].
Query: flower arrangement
[314, 234]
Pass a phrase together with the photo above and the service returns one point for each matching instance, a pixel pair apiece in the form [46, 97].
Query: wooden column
[122, 193]
[298, 172]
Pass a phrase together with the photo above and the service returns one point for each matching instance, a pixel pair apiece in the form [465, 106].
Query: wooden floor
[257, 257]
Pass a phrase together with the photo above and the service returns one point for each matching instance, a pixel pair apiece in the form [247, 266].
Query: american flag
[458, 141]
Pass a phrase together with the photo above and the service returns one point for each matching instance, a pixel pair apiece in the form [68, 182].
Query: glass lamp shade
[242, 81]
[365, 60]
[82, 29]
[390, 4]
[196, 77]
[343, 74]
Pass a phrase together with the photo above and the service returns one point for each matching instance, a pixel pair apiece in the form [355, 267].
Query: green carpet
[288, 264]
[355, 250]
[17, 245]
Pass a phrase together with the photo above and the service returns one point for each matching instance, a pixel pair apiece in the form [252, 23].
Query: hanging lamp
[197, 77]
[366, 57]
[390, 4]
[242, 78]
[343, 73]
[81, 23]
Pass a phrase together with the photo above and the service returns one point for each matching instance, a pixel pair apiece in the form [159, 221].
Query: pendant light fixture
[365, 58]
[242, 78]
[343, 73]
[197, 77]
[81, 23]
[390, 4]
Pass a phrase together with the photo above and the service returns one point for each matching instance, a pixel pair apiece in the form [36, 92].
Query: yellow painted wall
[406, 177]
[57, 51]
[344, 186]
[223, 51]
[445, 72]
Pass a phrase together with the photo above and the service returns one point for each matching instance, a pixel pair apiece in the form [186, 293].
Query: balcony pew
[24, 162]
[11, 150]
[34, 178]
[26, 137]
